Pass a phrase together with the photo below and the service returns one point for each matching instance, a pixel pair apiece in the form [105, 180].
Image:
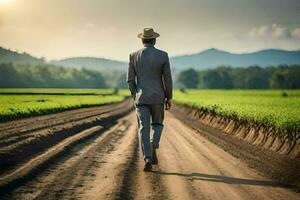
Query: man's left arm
[131, 77]
[167, 79]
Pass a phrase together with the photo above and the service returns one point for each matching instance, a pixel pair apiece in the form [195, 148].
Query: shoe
[154, 157]
[148, 166]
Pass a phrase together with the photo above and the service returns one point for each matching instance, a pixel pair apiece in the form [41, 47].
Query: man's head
[151, 41]
[148, 36]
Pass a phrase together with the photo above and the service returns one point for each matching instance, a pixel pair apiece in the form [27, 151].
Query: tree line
[223, 77]
[48, 76]
[253, 77]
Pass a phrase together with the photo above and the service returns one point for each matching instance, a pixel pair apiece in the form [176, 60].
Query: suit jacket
[149, 76]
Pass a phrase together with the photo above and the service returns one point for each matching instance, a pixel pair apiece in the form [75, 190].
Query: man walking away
[150, 83]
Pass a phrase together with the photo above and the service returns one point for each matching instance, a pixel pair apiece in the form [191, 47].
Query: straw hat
[148, 33]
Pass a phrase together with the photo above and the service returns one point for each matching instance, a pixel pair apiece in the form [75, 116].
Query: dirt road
[106, 163]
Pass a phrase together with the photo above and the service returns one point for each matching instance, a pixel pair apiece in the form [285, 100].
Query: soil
[266, 161]
[98, 156]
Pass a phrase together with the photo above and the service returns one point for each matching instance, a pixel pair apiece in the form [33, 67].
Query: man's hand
[168, 104]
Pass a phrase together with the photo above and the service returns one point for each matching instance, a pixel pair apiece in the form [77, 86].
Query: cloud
[275, 31]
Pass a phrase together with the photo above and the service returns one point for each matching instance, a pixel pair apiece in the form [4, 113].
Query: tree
[286, 77]
[217, 78]
[253, 77]
[257, 77]
[46, 76]
[188, 78]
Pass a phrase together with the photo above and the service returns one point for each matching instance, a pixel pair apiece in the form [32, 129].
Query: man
[150, 83]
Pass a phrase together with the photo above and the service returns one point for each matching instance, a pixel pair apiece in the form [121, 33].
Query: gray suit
[150, 83]
[149, 76]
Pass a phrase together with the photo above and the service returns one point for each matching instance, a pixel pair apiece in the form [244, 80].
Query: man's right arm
[131, 77]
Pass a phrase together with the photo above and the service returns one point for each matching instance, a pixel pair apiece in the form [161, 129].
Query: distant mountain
[7, 55]
[99, 64]
[213, 57]
[210, 58]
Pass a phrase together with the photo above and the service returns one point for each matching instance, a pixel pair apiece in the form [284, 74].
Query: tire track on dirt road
[267, 162]
[69, 176]
[110, 166]
[192, 167]
[24, 147]
[128, 181]
[138, 184]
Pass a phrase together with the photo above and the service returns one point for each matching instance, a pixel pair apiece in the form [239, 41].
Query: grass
[55, 91]
[44, 101]
[269, 108]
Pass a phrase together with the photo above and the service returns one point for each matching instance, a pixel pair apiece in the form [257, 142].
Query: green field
[269, 108]
[16, 103]
[55, 91]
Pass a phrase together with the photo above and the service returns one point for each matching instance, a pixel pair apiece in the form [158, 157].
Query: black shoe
[148, 166]
[154, 157]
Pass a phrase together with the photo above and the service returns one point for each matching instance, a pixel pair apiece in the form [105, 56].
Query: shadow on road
[223, 179]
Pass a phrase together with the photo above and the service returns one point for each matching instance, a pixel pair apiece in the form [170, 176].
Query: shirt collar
[148, 45]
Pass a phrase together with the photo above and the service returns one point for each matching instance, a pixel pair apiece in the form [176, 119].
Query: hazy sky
[108, 28]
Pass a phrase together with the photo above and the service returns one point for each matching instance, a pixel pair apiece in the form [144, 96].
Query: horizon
[175, 56]
[93, 28]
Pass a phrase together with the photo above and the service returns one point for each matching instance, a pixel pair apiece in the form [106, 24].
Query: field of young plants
[50, 91]
[270, 108]
[273, 108]
[15, 103]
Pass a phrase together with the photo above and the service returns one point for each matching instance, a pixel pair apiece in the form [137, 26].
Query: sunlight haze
[109, 28]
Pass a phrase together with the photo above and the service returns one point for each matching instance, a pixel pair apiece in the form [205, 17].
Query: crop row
[267, 108]
[16, 106]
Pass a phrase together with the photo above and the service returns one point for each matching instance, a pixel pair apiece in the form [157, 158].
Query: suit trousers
[149, 115]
